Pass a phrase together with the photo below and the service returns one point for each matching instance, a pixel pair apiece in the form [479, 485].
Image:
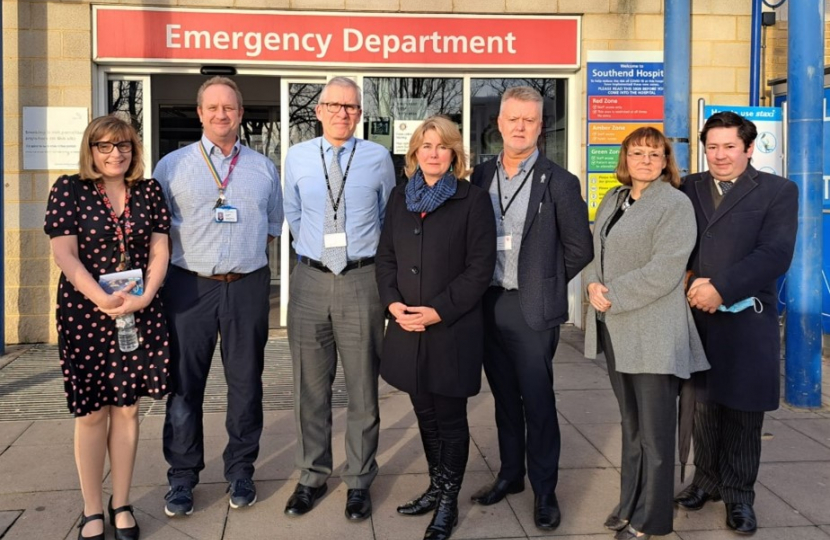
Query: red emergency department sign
[290, 38]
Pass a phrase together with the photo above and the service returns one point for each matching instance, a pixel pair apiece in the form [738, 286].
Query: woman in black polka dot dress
[107, 219]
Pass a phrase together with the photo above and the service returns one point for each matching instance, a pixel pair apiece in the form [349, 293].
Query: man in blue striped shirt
[226, 206]
[336, 188]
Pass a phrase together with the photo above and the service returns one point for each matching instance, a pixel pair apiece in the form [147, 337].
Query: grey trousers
[648, 406]
[331, 317]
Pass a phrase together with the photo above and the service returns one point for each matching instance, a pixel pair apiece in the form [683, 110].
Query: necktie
[725, 187]
[335, 257]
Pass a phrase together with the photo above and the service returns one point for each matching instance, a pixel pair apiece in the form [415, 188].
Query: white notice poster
[52, 137]
[403, 132]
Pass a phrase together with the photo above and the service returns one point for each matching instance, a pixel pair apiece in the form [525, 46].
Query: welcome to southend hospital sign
[327, 39]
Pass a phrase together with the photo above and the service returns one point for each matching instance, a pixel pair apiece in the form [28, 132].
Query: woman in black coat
[435, 260]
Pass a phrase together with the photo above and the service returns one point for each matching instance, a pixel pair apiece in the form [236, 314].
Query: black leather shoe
[127, 533]
[303, 499]
[546, 513]
[84, 521]
[358, 504]
[615, 523]
[497, 491]
[693, 498]
[740, 517]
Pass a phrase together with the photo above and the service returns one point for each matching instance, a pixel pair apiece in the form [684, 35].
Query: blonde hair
[113, 129]
[450, 137]
[648, 136]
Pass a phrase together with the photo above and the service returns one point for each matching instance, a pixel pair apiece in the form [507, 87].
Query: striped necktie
[725, 187]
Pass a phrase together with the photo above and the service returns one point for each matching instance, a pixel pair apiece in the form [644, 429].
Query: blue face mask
[746, 303]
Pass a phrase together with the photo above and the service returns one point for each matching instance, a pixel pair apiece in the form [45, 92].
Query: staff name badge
[225, 214]
[504, 243]
[333, 240]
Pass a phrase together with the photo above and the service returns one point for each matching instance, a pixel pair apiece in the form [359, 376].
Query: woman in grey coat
[643, 236]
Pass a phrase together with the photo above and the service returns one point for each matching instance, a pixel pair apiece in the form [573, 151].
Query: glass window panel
[126, 100]
[302, 119]
[390, 99]
[485, 99]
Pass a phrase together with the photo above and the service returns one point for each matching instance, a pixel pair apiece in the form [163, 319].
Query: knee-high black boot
[428, 500]
[454, 453]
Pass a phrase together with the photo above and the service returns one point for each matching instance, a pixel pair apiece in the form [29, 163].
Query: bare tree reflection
[126, 100]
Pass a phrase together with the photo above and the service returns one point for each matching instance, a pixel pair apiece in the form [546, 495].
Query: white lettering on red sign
[251, 42]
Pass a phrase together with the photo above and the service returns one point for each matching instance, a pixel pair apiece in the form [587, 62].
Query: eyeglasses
[125, 147]
[641, 156]
[334, 108]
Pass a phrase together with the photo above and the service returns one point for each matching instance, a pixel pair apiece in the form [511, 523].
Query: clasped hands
[703, 296]
[122, 302]
[413, 318]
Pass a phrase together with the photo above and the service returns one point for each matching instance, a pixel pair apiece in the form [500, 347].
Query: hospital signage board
[625, 92]
[127, 34]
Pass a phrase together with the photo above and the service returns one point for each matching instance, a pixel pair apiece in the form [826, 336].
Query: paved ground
[40, 499]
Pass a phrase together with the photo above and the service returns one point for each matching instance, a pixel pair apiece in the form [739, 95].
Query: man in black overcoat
[746, 222]
[543, 242]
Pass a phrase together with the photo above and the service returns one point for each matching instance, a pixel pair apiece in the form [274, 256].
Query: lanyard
[504, 208]
[124, 233]
[335, 204]
[221, 184]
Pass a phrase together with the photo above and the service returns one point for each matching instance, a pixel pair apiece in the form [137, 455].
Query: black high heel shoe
[127, 533]
[84, 521]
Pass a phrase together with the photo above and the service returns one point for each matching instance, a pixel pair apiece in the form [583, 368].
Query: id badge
[225, 214]
[504, 243]
[333, 240]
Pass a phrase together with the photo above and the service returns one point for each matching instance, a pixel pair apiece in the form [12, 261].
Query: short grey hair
[522, 93]
[343, 82]
[219, 80]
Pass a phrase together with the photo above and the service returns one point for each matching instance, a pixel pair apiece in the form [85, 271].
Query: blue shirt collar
[209, 146]
[347, 146]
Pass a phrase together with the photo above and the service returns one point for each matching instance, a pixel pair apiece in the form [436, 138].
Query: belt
[230, 277]
[351, 265]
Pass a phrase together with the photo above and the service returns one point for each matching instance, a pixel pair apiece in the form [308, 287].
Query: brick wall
[47, 49]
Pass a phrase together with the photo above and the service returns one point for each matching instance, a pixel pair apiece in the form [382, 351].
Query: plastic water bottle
[127, 333]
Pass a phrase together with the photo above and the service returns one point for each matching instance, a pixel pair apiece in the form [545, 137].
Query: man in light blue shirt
[226, 206]
[336, 188]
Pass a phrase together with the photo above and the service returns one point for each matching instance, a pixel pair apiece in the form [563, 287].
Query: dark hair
[648, 136]
[727, 119]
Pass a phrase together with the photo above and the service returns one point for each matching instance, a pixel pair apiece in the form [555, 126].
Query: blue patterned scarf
[422, 198]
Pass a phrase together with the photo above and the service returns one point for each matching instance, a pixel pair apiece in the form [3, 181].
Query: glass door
[298, 98]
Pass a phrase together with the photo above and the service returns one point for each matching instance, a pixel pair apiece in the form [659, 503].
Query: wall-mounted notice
[625, 92]
[768, 155]
[403, 132]
[52, 137]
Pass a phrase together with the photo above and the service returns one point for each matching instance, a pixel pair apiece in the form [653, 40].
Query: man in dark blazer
[543, 242]
[746, 228]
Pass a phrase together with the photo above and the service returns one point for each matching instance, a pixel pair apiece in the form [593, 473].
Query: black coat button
[417, 231]
[415, 270]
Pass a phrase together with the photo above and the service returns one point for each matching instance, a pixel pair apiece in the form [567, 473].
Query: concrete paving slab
[804, 486]
[276, 457]
[481, 410]
[785, 412]
[566, 353]
[207, 522]
[783, 533]
[44, 468]
[7, 519]
[581, 376]
[788, 445]
[45, 516]
[11, 431]
[585, 496]
[826, 529]
[281, 422]
[396, 412]
[770, 509]
[606, 439]
[48, 433]
[588, 406]
[213, 425]
[816, 429]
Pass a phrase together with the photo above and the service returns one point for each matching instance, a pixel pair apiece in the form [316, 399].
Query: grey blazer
[643, 265]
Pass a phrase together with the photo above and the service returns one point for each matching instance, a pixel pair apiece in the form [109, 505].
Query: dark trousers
[444, 414]
[727, 451]
[518, 362]
[198, 309]
[648, 407]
